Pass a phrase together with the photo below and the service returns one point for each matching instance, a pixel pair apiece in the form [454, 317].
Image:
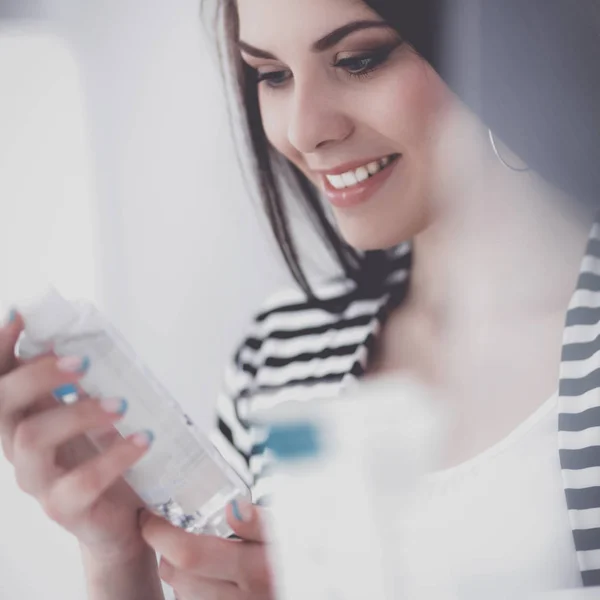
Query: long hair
[527, 68]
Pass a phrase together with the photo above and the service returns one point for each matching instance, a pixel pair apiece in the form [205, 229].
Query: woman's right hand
[79, 487]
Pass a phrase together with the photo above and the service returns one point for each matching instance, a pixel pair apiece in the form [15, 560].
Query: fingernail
[12, 316]
[73, 364]
[143, 439]
[65, 390]
[114, 405]
[242, 510]
[236, 510]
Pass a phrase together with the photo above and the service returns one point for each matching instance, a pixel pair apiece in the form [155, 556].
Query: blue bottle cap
[289, 441]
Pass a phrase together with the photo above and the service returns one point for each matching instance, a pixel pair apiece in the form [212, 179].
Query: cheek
[274, 120]
[408, 105]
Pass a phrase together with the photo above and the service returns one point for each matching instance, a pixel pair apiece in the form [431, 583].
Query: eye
[364, 64]
[356, 65]
[274, 79]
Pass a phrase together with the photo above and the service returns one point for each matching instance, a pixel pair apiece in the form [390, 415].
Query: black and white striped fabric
[579, 412]
[298, 350]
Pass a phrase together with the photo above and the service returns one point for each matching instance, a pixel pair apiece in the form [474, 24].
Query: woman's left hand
[201, 567]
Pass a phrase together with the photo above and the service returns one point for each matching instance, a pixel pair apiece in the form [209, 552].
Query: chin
[379, 234]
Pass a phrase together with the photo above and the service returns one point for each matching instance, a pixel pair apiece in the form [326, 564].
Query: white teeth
[349, 178]
[373, 168]
[362, 174]
[359, 175]
[336, 181]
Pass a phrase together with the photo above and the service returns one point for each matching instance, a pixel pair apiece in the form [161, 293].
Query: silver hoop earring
[499, 156]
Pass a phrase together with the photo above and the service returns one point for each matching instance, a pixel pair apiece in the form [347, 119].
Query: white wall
[186, 257]
[181, 258]
[47, 227]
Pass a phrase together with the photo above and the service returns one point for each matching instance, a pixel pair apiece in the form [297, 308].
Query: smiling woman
[441, 147]
[447, 152]
[466, 44]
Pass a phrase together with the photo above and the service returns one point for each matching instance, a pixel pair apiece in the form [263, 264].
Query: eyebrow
[325, 43]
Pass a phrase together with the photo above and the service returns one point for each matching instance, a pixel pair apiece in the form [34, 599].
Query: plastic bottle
[182, 477]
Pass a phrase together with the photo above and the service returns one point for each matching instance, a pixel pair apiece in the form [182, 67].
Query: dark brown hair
[526, 67]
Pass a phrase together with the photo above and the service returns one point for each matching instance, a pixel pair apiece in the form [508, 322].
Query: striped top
[298, 349]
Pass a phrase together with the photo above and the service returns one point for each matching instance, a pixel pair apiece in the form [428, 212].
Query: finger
[202, 555]
[78, 490]
[188, 587]
[10, 420]
[9, 334]
[103, 438]
[23, 386]
[38, 438]
[246, 521]
[9, 424]
[20, 361]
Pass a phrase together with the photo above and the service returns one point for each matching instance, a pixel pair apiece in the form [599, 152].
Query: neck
[511, 245]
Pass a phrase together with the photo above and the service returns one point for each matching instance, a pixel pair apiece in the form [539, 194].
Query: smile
[362, 173]
[351, 186]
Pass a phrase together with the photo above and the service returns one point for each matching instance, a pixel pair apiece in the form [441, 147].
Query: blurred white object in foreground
[346, 472]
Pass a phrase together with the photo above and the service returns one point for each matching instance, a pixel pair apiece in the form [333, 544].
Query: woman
[459, 255]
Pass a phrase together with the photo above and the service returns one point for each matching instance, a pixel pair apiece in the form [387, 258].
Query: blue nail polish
[235, 507]
[65, 390]
[124, 406]
[12, 316]
[85, 364]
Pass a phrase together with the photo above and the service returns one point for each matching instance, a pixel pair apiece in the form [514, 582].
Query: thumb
[246, 521]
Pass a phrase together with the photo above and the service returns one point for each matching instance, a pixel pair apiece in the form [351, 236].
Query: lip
[360, 193]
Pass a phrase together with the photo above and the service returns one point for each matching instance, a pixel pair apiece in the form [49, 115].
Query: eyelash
[374, 59]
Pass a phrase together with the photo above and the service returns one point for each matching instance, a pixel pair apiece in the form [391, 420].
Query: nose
[317, 118]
